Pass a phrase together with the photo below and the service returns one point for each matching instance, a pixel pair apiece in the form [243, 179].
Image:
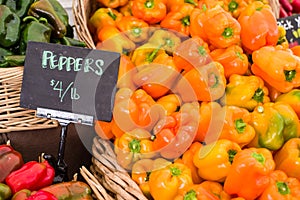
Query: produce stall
[150, 99]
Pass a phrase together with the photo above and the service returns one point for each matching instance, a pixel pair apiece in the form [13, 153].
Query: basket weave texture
[12, 116]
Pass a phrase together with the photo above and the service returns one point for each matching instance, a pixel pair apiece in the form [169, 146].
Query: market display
[206, 105]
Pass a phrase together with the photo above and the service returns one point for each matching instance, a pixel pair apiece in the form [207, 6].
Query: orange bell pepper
[113, 3]
[279, 68]
[158, 77]
[287, 158]
[216, 26]
[151, 11]
[179, 19]
[135, 29]
[167, 182]
[245, 91]
[281, 187]
[102, 17]
[236, 126]
[110, 38]
[176, 131]
[170, 102]
[258, 26]
[233, 59]
[187, 159]
[214, 160]
[207, 190]
[103, 129]
[210, 123]
[142, 169]
[208, 4]
[249, 174]
[235, 7]
[126, 72]
[173, 5]
[191, 53]
[205, 83]
[292, 98]
[135, 109]
[133, 146]
[126, 9]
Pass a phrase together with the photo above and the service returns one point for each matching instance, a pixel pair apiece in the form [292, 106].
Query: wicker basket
[12, 116]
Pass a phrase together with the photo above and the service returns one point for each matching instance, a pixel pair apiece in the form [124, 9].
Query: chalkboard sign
[71, 79]
[292, 26]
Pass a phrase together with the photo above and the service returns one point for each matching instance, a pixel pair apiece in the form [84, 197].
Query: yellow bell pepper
[133, 146]
[214, 160]
[170, 102]
[245, 92]
[167, 182]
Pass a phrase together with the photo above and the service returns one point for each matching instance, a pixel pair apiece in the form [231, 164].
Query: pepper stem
[175, 171]
[258, 95]
[201, 50]
[259, 157]
[227, 33]
[289, 75]
[136, 31]
[233, 6]
[240, 125]
[152, 55]
[149, 4]
[134, 146]
[191, 2]
[231, 154]
[213, 80]
[186, 20]
[111, 14]
[283, 188]
[190, 195]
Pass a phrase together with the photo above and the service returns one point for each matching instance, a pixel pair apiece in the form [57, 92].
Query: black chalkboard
[72, 79]
[292, 26]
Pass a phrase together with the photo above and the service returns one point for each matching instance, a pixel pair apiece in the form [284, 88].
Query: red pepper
[32, 175]
[10, 160]
[42, 195]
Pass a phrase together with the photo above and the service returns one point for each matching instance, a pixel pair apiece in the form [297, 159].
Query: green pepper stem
[240, 125]
[283, 188]
[191, 2]
[289, 75]
[149, 4]
[190, 195]
[186, 20]
[233, 6]
[201, 50]
[259, 157]
[231, 154]
[153, 54]
[258, 95]
[111, 14]
[135, 146]
[227, 33]
[175, 171]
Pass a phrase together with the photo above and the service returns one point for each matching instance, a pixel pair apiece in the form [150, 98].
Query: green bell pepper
[20, 7]
[3, 53]
[35, 30]
[274, 123]
[53, 11]
[9, 27]
[5, 191]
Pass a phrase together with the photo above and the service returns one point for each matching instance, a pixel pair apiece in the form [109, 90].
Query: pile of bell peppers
[32, 20]
[208, 98]
[34, 180]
